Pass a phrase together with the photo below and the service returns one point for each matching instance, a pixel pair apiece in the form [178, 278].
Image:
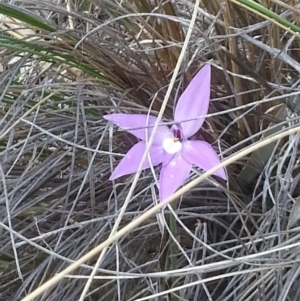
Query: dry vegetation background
[63, 65]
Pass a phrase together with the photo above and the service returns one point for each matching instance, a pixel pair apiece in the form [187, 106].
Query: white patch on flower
[171, 146]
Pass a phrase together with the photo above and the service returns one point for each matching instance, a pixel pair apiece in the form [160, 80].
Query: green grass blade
[49, 55]
[268, 14]
[13, 12]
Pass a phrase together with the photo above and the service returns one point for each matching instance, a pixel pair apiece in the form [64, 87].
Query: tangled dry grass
[63, 66]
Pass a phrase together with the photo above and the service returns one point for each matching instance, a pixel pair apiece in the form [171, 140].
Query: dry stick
[163, 106]
[135, 223]
[70, 18]
[232, 43]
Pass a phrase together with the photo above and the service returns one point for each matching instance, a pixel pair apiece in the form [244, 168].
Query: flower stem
[173, 246]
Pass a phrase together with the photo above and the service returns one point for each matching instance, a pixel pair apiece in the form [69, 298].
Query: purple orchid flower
[170, 146]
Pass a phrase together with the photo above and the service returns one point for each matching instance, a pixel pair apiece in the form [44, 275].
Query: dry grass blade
[124, 231]
[63, 65]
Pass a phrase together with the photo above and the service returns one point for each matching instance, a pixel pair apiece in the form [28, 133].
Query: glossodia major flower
[171, 146]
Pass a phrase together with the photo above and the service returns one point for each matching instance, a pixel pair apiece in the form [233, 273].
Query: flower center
[176, 134]
[173, 144]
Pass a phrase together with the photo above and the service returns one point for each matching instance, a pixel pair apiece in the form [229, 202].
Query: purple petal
[140, 121]
[167, 158]
[130, 163]
[194, 102]
[172, 176]
[202, 154]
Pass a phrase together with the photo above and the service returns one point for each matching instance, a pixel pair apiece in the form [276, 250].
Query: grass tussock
[65, 64]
